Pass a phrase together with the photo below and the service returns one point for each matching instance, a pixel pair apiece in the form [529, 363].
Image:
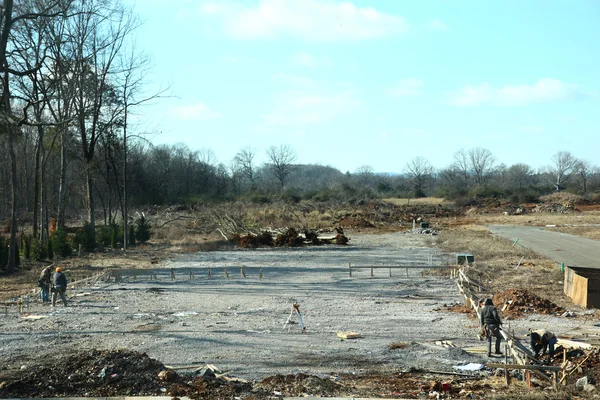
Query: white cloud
[406, 87]
[295, 80]
[194, 112]
[304, 59]
[436, 25]
[532, 128]
[299, 108]
[313, 20]
[545, 90]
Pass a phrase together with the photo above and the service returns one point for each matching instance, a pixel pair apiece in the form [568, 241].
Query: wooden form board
[582, 285]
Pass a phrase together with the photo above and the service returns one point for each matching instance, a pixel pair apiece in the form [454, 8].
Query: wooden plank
[348, 335]
[527, 367]
[573, 344]
[400, 266]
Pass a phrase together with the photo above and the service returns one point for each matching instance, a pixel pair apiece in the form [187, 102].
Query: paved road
[560, 247]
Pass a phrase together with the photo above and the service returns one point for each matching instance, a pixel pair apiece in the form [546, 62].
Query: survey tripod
[295, 310]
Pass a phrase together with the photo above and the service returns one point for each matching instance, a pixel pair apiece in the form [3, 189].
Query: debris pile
[113, 373]
[518, 302]
[288, 237]
[300, 385]
[579, 364]
[554, 208]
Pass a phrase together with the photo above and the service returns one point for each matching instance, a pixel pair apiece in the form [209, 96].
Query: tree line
[70, 79]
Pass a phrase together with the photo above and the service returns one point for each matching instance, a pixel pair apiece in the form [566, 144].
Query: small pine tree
[27, 249]
[61, 244]
[49, 250]
[3, 253]
[131, 236]
[38, 250]
[142, 232]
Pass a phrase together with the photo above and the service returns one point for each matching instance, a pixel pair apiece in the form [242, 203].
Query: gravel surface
[236, 323]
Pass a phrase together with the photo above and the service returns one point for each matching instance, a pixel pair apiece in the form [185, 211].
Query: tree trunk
[36, 185]
[125, 231]
[12, 260]
[90, 194]
[63, 182]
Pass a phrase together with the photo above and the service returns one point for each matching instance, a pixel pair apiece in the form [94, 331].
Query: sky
[374, 83]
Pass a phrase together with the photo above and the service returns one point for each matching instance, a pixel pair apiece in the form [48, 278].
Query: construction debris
[288, 237]
[116, 373]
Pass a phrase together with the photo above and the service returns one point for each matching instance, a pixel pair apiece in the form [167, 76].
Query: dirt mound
[354, 222]
[113, 373]
[299, 385]
[517, 302]
[459, 308]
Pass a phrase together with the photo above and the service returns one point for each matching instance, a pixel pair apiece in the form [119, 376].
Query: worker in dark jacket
[490, 320]
[542, 340]
[60, 287]
[44, 284]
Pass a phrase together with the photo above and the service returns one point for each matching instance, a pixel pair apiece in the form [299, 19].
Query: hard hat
[58, 269]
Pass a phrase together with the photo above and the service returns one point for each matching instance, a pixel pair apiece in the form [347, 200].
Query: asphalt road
[560, 247]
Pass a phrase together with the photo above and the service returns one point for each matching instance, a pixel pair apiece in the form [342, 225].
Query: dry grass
[590, 232]
[496, 264]
[533, 219]
[430, 201]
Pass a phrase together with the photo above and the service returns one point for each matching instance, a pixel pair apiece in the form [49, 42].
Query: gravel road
[236, 323]
[557, 246]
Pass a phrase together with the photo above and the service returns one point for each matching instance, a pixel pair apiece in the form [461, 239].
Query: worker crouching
[542, 340]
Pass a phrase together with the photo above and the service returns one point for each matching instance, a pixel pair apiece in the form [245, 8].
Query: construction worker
[490, 321]
[44, 284]
[60, 287]
[542, 340]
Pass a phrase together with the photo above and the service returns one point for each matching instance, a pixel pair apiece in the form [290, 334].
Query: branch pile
[288, 237]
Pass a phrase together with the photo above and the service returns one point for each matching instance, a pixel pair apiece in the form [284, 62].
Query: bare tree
[280, 165]
[10, 17]
[244, 161]
[420, 173]
[365, 174]
[564, 165]
[519, 176]
[584, 170]
[481, 162]
[98, 31]
[462, 166]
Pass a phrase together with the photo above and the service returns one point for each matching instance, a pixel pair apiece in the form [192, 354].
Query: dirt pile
[300, 385]
[515, 303]
[113, 373]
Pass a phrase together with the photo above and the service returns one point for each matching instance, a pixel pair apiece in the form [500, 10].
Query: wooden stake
[260, 275]
[209, 274]
[371, 272]
[390, 272]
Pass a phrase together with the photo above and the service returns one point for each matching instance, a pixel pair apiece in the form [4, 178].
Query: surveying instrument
[290, 320]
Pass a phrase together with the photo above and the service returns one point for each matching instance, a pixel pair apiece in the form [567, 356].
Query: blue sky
[353, 83]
